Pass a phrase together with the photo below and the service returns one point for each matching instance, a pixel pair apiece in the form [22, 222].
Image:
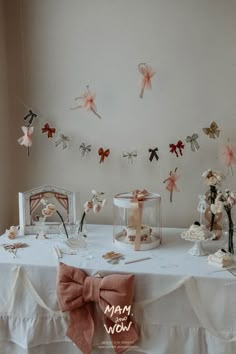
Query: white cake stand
[197, 249]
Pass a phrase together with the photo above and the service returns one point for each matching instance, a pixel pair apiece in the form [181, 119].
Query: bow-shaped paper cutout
[193, 141]
[30, 115]
[130, 155]
[47, 129]
[153, 153]
[179, 146]
[76, 294]
[26, 138]
[212, 131]
[103, 153]
[62, 139]
[85, 149]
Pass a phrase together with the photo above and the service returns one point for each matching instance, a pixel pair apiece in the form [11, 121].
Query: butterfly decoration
[171, 185]
[213, 131]
[193, 142]
[130, 156]
[88, 102]
[179, 146]
[229, 156]
[26, 139]
[153, 153]
[85, 149]
[47, 129]
[62, 139]
[31, 116]
[147, 74]
[103, 153]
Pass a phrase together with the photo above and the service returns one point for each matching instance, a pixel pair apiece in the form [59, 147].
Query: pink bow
[76, 293]
[26, 138]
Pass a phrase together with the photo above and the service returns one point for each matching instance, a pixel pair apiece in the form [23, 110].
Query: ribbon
[130, 155]
[77, 292]
[153, 154]
[179, 146]
[62, 139]
[147, 74]
[47, 129]
[212, 131]
[138, 196]
[84, 149]
[30, 115]
[103, 153]
[193, 141]
[26, 138]
[171, 185]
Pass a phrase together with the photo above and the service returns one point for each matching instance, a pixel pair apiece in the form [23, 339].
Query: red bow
[49, 130]
[103, 154]
[179, 145]
[77, 292]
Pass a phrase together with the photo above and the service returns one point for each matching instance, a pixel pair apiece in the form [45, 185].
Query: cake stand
[198, 235]
[197, 249]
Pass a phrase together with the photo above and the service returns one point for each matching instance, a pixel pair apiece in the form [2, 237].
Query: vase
[213, 220]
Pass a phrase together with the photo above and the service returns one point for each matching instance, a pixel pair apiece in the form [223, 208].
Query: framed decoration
[31, 206]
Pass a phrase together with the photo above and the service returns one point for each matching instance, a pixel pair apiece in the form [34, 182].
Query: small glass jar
[137, 220]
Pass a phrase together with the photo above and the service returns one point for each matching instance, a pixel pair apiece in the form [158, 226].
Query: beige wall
[5, 146]
[59, 46]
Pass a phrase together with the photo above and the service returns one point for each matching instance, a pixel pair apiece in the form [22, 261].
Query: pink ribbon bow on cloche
[77, 292]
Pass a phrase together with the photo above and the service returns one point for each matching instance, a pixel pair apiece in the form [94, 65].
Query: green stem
[63, 223]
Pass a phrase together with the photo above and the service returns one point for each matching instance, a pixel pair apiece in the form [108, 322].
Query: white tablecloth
[182, 304]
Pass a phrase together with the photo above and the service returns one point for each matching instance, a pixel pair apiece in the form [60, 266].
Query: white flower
[217, 207]
[94, 192]
[104, 202]
[212, 178]
[97, 208]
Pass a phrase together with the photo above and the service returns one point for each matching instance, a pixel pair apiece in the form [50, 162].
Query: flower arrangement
[226, 202]
[96, 203]
[49, 210]
[12, 232]
[212, 179]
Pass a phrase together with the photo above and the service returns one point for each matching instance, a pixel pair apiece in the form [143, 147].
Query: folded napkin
[77, 293]
[221, 258]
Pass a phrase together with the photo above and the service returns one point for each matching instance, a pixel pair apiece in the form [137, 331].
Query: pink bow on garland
[77, 292]
[26, 138]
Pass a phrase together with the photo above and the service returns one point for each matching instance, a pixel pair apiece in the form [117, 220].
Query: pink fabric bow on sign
[77, 292]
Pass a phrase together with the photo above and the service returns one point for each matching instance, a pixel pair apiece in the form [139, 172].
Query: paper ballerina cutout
[193, 142]
[26, 138]
[31, 115]
[153, 153]
[179, 146]
[47, 129]
[212, 131]
[130, 156]
[88, 102]
[103, 153]
[147, 74]
[171, 185]
[229, 156]
[85, 149]
[62, 139]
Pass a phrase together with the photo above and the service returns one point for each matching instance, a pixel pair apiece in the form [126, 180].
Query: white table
[182, 304]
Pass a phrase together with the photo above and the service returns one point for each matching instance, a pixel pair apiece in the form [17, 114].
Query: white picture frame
[30, 201]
